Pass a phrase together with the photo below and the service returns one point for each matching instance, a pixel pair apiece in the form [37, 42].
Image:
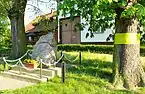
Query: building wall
[69, 32]
[98, 37]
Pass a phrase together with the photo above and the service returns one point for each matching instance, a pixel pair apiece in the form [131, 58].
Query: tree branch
[35, 8]
[45, 1]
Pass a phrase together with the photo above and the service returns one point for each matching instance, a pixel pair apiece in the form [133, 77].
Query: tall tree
[16, 16]
[126, 16]
[15, 10]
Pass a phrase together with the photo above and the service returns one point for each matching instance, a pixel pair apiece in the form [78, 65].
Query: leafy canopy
[5, 38]
[102, 13]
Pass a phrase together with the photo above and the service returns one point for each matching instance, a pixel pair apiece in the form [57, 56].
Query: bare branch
[45, 1]
[36, 8]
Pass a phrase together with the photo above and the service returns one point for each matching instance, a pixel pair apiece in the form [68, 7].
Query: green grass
[92, 76]
[2, 67]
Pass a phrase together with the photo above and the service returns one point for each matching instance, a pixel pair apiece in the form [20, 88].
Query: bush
[91, 48]
[107, 49]
[5, 33]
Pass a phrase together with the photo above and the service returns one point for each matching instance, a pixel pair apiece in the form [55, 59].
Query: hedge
[107, 49]
[91, 48]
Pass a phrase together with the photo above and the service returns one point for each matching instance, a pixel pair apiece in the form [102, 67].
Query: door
[66, 31]
[69, 31]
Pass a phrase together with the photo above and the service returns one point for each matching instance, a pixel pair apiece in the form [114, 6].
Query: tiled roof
[31, 28]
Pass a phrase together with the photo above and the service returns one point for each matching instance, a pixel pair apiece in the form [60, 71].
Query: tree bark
[16, 16]
[128, 71]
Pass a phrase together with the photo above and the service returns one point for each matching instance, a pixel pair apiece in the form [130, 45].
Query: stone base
[33, 75]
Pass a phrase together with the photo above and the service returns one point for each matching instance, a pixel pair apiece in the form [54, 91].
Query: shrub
[108, 49]
[91, 48]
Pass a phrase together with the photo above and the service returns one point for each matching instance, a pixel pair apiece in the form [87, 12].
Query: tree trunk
[128, 70]
[16, 16]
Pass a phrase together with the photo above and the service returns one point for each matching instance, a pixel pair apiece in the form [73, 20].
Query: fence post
[63, 72]
[19, 67]
[4, 66]
[80, 58]
[61, 55]
[40, 68]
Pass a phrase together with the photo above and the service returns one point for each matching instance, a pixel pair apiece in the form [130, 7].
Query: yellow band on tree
[127, 38]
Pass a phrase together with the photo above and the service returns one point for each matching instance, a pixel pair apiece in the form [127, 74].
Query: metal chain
[49, 64]
[9, 64]
[59, 60]
[72, 61]
[16, 60]
[19, 61]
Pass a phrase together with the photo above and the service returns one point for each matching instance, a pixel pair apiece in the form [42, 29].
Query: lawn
[92, 76]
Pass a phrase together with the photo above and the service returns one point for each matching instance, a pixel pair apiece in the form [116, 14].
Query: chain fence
[19, 62]
[76, 59]
[62, 59]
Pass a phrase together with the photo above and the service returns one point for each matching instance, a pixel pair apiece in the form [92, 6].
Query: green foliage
[2, 67]
[129, 12]
[91, 48]
[5, 5]
[123, 2]
[102, 13]
[135, 10]
[5, 35]
[93, 11]
[108, 49]
[140, 10]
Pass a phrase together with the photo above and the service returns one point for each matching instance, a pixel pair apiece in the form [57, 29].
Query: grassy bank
[92, 76]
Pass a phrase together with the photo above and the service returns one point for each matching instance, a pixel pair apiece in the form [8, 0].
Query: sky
[35, 8]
